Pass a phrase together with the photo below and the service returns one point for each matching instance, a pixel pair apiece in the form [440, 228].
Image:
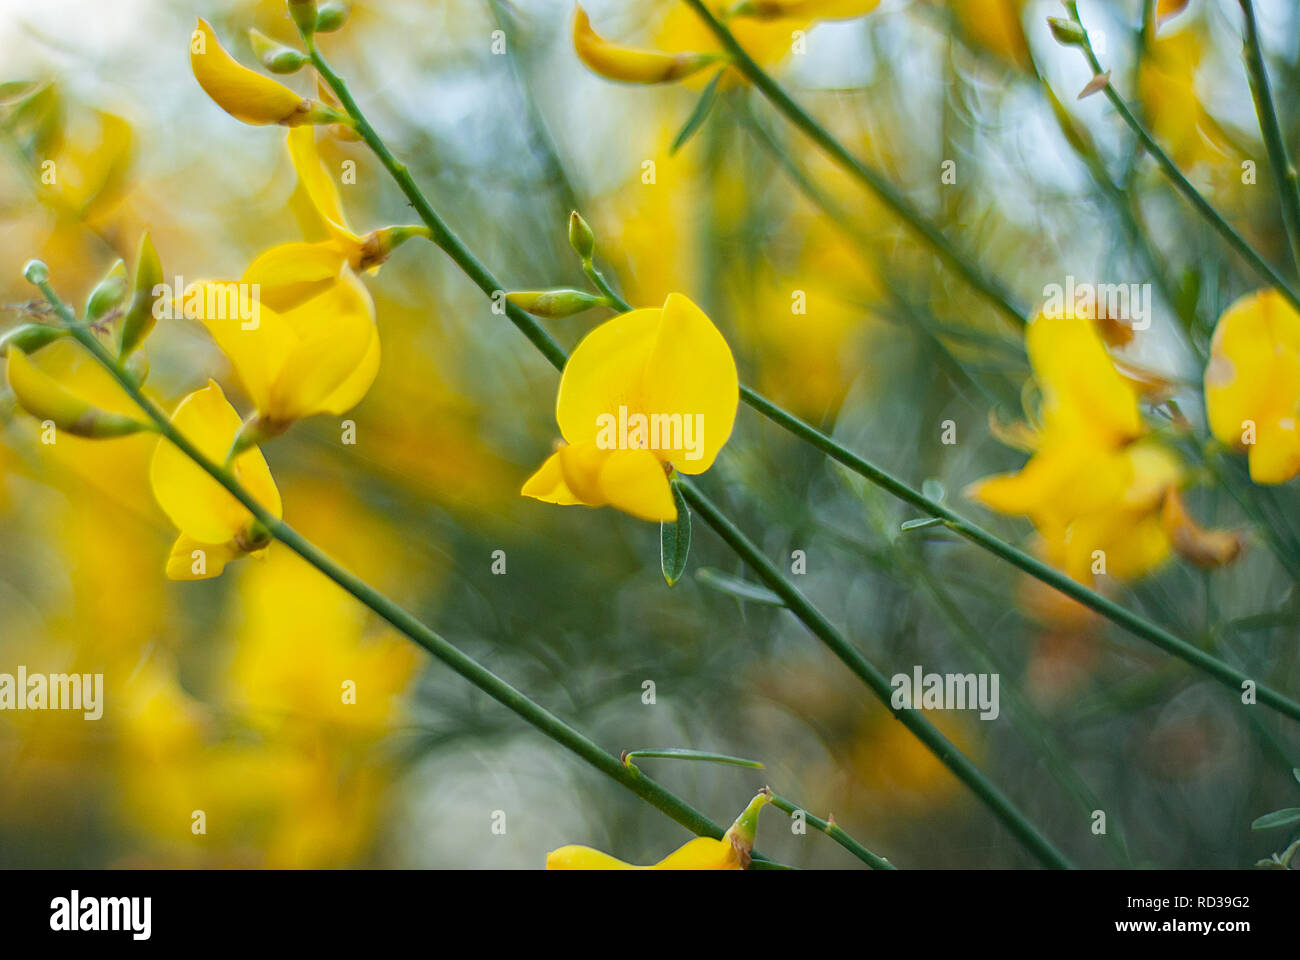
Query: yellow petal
[808, 9]
[1252, 383]
[196, 503]
[580, 465]
[328, 364]
[317, 183]
[548, 485]
[584, 858]
[605, 371]
[256, 339]
[290, 274]
[191, 559]
[702, 853]
[47, 399]
[243, 93]
[627, 64]
[690, 371]
[1082, 391]
[634, 481]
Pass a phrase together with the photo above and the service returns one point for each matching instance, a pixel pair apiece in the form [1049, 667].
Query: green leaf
[675, 540]
[1278, 818]
[680, 753]
[698, 115]
[741, 589]
[920, 523]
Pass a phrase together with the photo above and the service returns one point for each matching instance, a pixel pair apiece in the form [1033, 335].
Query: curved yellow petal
[256, 339]
[1082, 391]
[634, 481]
[548, 485]
[575, 857]
[198, 505]
[290, 274]
[626, 63]
[243, 93]
[317, 183]
[605, 371]
[702, 853]
[335, 338]
[580, 466]
[808, 9]
[192, 559]
[47, 399]
[691, 372]
[1252, 383]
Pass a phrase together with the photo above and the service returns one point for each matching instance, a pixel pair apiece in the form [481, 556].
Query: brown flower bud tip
[1099, 82]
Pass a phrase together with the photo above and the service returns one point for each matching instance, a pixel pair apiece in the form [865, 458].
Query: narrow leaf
[741, 589]
[675, 540]
[698, 115]
[1278, 818]
[681, 753]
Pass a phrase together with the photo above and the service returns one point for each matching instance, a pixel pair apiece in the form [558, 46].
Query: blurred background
[222, 695]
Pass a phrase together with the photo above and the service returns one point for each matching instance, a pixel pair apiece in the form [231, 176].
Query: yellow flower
[245, 94]
[318, 357]
[1097, 485]
[646, 392]
[1252, 384]
[628, 64]
[82, 400]
[215, 528]
[291, 273]
[1167, 88]
[732, 852]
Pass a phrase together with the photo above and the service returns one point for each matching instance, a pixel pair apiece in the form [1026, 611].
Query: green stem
[876, 681]
[991, 289]
[1283, 171]
[832, 830]
[810, 615]
[1184, 186]
[1227, 675]
[501, 691]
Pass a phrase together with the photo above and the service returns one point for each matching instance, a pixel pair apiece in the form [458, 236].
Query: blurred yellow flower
[1097, 483]
[732, 852]
[215, 528]
[997, 26]
[1252, 384]
[245, 94]
[318, 357]
[649, 391]
[1174, 112]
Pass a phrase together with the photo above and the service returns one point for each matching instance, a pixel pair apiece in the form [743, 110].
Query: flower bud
[303, 13]
[140, 314]
[332, 15]
[742, 831]
[36, 272]
[46, 399]
[554, 304]
[1067, 32]
[276, 57]
[107, 295]
[581, 238]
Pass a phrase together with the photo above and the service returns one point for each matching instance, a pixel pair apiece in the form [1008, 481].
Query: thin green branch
[469, 668]
[816, 622]
[832, 830]
[888, 194]
[1262, 267]
[1283, 171]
